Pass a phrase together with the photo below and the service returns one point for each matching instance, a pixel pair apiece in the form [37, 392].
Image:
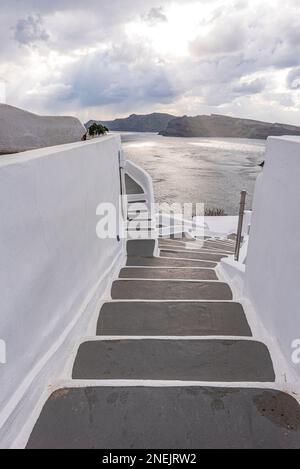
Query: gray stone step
[144, 219]
[169, 290]
[131, 232]
[218, 245]
[192, 249]
[167, 262]
[174, 359]
[172, 318]
[178, 237]
[186, 273]
[192, 255]
[132, 187]
[139, 201]
[140, 247]
[167, 417]
[134, 213]
[138, 207]
[195, 243]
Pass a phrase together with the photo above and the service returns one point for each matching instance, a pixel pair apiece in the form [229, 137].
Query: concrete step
[193, 248]
[131, 232]
[185, 417]
[169, 290]
[185, 273]
[133, 213]
[174, 359]
[192, 255]
[140, 201]
[140, 247]
[167, 262]
[179, 237]
[146, 219]
[219, 245]
[195, 243]
[172, 318]
[138, 207]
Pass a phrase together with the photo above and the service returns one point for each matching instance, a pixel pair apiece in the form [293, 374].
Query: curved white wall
[50, 254]
[144, 180]
[272, 279]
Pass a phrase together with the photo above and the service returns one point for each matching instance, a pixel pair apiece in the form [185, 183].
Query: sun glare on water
[141, 144]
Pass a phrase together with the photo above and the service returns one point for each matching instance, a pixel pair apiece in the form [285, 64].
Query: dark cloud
[30, 30]
[156, 15]
[118, 75]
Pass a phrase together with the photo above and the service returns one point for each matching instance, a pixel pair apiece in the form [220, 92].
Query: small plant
[215, 212]
[97, 129]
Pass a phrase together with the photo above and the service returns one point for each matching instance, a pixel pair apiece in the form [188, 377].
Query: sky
[109, 58]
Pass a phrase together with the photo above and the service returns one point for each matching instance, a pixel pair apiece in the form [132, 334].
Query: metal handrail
[240, 226]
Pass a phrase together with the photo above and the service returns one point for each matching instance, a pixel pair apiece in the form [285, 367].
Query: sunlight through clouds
[132, 56]
[172, 37]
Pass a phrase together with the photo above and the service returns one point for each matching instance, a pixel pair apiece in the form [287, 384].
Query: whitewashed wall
[51, 258]
[272, 279]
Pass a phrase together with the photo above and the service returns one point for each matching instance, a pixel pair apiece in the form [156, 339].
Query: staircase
[173, 364]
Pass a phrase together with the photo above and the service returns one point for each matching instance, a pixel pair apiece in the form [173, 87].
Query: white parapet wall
[272, 277]
[53, 265]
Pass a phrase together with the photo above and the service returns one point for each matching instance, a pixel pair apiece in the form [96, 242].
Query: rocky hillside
[155, 122]
[21, 130]
[225, 126]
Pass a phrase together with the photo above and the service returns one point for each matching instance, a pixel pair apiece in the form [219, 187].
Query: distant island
[214, 125]
[225, 126]
[155, 122]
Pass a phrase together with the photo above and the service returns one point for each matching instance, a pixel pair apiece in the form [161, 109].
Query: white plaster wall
[22, 130]
[144, 180]
[272, 277]
[50, 255]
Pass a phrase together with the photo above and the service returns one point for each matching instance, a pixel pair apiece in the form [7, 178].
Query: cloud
[117, 76]
[156, 15]
[223, 37]
[236, 56]
[30, 30]
[284, 99]
[250, 87]
[293, 79]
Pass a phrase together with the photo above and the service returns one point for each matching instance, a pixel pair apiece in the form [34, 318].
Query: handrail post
[240, 226]
[121, 160]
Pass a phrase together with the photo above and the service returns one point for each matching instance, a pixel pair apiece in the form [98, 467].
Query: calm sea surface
[208, 170]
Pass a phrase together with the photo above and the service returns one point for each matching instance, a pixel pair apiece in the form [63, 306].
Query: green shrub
[97, 129]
